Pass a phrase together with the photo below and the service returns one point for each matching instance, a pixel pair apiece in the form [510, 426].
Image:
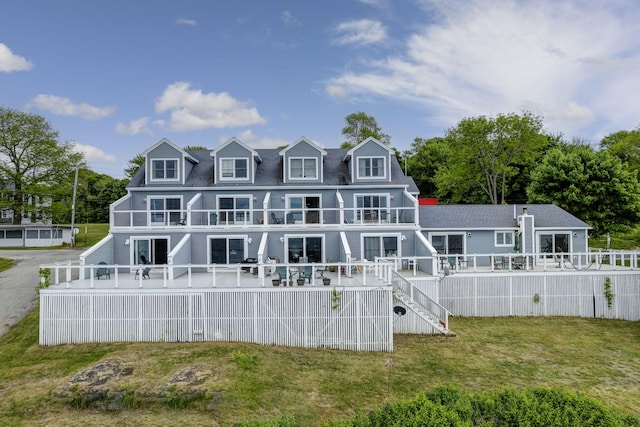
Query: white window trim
[165, 210]
[289, 209]
[398, 236]
[303, 178]
[132, 246]
[505, 233]
[355, 204]
[322, 237]
[165, 159]
[464, 240]
[376, 177]
[210, 237]
[234, 197]
[234, 178]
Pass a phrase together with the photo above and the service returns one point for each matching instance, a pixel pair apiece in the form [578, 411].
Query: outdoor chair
[102, 271]
[145, 273]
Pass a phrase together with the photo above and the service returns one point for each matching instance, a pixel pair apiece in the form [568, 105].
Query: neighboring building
[302, 203]
[36, 228]
[542, 229]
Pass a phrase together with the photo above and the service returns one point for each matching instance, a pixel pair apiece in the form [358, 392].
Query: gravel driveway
[17, 284]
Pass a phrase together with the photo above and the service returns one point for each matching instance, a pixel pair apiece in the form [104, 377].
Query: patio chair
[102, 271]
[275, 219]
[144, 272]
[518, 262]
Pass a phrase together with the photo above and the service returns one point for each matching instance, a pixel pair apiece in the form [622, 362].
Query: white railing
[425, 303]
[213, 275]
[126, 218]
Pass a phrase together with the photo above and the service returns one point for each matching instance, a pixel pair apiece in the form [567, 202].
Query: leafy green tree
[626, 146]
[423, 160]
[133, 165]
[484, 154]
[195, 148]
[34, 166]
[594, 186]
[358, 127]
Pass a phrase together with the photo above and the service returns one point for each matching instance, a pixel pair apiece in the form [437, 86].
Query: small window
[371, 167]
[32, 234]
[164, 169]
[303, 168]
[504, 238]
[45, 234]
[14, 234]
[234, 168]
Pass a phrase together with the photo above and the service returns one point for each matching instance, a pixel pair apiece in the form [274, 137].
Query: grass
[90, 234]
[6, 263]
[598, 357]
[627, 240]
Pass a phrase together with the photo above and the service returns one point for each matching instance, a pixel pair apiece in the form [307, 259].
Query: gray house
[303, 203]
[539, 230]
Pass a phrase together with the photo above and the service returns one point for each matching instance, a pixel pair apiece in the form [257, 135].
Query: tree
[133, 165]
[626, 146]
[483, 154]
[423, 160]
[195, 148]
[33, 164]
[594, 186]
[359, 126]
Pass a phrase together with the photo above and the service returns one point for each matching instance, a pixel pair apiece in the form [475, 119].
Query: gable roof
[466, 217]
[304, 140]
[235, 140]
[366, 141]
[173, 145]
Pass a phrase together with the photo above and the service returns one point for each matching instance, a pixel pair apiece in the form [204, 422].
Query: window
[233, 168]
[165, 210]
[504, 238]
[303, 168]
[379, 246]
[448, 243]
[372, 208]
[554, 243]
[164, 169]
[32, 234]
[227, 250]
[150, 251]
[303, 209]
[371, 167]
[309, 247]
[234, 209]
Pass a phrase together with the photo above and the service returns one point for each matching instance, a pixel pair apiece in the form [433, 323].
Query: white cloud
[65, 107]
[288, 18]
[185, 21]
[193, 110]
[134, 127]
[9, 61]
[575, 64]
[93, 154]
[255, 141]
[360, 32]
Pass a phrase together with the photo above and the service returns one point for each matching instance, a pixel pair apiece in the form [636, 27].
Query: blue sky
[116, 76]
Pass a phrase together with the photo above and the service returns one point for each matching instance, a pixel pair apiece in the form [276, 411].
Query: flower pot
[326, 281]
[300, 282]
[276, 282]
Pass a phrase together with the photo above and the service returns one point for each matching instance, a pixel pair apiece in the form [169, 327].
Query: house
[211, 225]
[537, 231]
[233, 203]
[36, 229]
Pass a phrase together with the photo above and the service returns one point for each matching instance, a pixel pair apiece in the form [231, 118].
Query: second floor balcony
[261, 218]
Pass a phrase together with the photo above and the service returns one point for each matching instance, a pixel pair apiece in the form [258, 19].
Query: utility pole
[73, 210]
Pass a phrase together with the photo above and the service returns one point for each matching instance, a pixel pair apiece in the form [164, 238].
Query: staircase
[421, 304]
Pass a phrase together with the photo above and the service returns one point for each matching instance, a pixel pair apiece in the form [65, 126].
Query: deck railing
[356, 273]
[127, 218]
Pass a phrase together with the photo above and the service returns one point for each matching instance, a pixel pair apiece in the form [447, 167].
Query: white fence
[347, 318]
[543, 294]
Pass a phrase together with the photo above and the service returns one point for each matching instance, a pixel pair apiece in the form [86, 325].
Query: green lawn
[598, 357]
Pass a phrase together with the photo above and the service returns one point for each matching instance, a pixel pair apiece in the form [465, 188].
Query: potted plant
[326, 281]
[276, 280]
[301, 281]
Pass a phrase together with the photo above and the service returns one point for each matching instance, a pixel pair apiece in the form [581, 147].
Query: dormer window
[234, 168]
[303, 168]
[164, 169]
[371, 167]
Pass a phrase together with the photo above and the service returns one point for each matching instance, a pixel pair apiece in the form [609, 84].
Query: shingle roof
[495, 216]
[269, 170]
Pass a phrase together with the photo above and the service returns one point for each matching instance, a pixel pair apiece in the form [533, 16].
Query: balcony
[262, 218]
